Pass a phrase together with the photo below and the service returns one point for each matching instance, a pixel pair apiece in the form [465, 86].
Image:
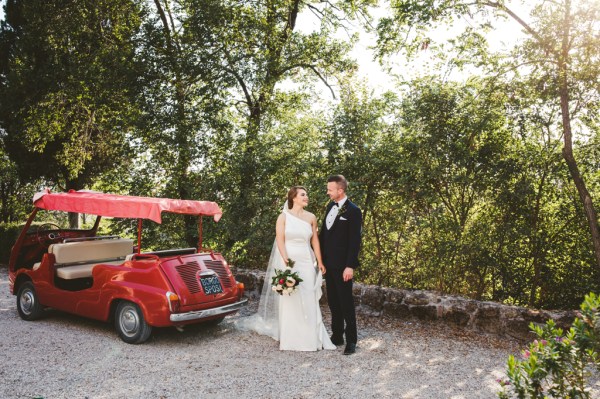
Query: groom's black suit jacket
[341, 244]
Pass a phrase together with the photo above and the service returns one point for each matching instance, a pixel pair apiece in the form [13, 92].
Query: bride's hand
[322, 268]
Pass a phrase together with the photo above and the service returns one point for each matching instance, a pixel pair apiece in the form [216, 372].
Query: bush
[557, 365]
[8, 235]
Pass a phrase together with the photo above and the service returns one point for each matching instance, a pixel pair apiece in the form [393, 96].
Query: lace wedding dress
[294, 320]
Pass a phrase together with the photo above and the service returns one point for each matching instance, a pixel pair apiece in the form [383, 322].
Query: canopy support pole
[139, 245]
[200, 233]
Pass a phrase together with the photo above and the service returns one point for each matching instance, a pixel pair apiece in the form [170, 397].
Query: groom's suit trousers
[341, 304]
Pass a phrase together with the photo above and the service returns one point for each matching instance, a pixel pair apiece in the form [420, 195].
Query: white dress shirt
[333, 213]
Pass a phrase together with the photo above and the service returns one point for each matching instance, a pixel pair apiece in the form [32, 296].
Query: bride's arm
[280, 237]
[316, 245]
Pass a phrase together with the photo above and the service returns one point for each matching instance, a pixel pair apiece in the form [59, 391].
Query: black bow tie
[336, 204]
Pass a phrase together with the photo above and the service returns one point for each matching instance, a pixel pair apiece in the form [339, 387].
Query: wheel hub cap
[27, 302]
[129, 321]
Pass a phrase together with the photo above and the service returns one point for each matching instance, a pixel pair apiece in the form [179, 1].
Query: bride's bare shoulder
[281, 218]
[311, 217]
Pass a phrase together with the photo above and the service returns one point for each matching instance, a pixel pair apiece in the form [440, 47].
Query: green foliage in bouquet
[285, 281]
[557, 365]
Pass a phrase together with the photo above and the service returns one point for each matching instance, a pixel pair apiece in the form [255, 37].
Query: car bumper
[203, 314]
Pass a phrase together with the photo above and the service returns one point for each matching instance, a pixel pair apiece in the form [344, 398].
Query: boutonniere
[343, 209]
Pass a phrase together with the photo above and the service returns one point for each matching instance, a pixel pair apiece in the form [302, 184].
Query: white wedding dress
[300, 322]
[294, 320]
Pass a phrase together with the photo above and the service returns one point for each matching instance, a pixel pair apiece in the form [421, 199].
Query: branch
[529, 29]
[318, 13]
[172, 25]
[314, 69]
[165, 23]
[238, 78]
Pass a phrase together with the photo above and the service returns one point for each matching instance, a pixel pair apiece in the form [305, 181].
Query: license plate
[211, 285]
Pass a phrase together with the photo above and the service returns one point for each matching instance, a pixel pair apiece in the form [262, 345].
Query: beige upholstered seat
[82, 251]
[81, 271]
[77, 259]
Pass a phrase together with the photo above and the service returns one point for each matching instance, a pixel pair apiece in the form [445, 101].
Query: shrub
[8, 235]
[557, 365]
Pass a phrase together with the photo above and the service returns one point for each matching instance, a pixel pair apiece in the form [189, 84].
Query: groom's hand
[348, 274]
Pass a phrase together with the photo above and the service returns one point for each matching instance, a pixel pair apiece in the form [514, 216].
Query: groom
[340, 238]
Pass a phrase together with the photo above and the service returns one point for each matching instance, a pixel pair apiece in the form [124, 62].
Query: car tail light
[173, 300]
[241, 288]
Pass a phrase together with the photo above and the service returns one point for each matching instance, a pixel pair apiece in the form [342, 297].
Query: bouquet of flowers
[285, 281]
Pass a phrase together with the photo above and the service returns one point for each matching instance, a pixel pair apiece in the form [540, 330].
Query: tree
[563, 43]
[15, 198]
[181, 101]
[257, 43]
[66, 86]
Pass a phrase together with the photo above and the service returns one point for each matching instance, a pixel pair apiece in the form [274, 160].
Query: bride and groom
[295, 319]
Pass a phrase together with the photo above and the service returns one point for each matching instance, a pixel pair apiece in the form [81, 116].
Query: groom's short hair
[340, 180]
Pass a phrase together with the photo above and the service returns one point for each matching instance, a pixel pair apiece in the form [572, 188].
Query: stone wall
[486, 317]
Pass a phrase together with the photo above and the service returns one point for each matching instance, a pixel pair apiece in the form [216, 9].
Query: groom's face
[334, 191]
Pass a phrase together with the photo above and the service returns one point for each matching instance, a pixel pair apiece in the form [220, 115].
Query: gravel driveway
[64, 356]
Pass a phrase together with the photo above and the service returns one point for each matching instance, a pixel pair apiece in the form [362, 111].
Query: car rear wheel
[130, 323]
[28, 304]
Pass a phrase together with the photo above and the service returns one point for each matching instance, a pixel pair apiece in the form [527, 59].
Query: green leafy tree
[454, 150]
[15, 198]
[291, 154]
[182, 105]
[562, 45]
[361, 143]
[259, 46]
[541, 259]
[67, 81]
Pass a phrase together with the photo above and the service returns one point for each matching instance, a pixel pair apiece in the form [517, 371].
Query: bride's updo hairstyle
[292, 194]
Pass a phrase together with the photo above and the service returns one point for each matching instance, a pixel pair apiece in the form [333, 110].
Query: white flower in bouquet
[279, 287]
[290, 282]
[274, 288]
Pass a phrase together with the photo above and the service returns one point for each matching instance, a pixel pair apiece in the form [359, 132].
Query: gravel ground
[64, 356]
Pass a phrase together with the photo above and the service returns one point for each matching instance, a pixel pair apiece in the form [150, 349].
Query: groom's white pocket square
[343, 218]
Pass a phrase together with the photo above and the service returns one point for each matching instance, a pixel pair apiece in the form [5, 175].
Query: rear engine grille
[217, 267]
[188, 272]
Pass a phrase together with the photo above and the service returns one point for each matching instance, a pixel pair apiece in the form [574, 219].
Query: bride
[294, 320]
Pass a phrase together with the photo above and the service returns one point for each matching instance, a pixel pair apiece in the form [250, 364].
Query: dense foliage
[558, 364]
[463, 183]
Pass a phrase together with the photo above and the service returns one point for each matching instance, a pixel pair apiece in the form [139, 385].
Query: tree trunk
[537, 246]
[584, 194]
[567, 152]
[73, 216]
[182, 184]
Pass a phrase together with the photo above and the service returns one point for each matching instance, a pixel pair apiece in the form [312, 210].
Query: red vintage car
[110, 278]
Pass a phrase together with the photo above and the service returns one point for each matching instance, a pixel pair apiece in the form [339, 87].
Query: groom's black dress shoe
[337, 341]
[350, 349]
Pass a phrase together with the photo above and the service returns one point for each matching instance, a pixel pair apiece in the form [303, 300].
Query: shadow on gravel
[89, 327]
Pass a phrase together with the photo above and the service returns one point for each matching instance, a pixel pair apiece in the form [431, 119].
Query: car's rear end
[203, 288]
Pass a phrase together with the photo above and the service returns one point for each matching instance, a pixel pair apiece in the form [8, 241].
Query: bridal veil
[266, 319]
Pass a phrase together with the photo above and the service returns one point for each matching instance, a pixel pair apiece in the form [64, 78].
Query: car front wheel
[28, 304]
[130, 323]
